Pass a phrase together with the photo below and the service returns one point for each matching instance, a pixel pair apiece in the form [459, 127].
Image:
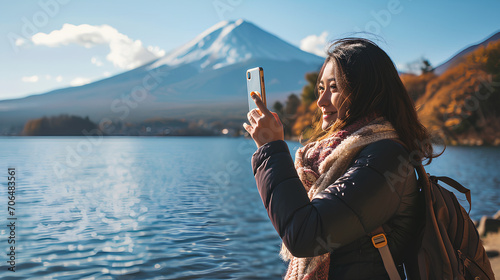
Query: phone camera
[248, 75]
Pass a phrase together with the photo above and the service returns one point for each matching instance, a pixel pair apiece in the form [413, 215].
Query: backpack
[449, 246]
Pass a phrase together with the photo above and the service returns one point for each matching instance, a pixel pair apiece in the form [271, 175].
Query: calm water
[162, 208]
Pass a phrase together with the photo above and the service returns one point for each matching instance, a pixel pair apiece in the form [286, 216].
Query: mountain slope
[456, 58]
[201, 79]
[461, 105]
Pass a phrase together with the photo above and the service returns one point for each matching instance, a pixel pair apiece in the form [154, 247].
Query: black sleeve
[366, 196]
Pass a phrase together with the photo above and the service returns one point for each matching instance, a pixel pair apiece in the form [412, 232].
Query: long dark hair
[370, 84]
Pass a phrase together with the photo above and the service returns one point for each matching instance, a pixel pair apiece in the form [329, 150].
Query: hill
[462, 104]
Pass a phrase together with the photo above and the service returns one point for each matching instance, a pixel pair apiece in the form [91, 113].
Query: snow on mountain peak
[229, 42]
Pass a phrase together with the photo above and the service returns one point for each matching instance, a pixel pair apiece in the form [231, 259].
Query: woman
[354, 175]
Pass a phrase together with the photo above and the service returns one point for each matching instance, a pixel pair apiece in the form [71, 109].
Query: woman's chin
[325, 125]
[328, 121]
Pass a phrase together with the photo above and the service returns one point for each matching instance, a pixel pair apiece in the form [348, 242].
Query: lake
[161, 207]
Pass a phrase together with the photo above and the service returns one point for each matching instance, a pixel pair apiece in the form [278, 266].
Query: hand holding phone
[265, 126]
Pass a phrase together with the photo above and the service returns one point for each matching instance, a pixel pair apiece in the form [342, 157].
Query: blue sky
[128, 33]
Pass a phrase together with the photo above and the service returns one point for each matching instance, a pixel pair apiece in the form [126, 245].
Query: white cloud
[106, 74]
[315, 44]
[124, 52]
[59, 78]
[20, 41]
[30, 79]
[79, 81]
[96, 61]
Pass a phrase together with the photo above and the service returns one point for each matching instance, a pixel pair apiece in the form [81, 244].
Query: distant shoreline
[295, 139]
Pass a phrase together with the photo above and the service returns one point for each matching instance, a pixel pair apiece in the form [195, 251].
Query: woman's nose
[323, 99]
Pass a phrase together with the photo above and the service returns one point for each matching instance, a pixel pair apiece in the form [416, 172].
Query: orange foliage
[416, 84]
[459, 103]
[305, 117]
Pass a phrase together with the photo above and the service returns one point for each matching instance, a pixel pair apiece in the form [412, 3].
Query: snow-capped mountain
[203, 78]
[230, 42]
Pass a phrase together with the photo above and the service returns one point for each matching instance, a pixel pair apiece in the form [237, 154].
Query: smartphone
[255, 82]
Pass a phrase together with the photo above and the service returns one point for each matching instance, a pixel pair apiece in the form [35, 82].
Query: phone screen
[255, 82]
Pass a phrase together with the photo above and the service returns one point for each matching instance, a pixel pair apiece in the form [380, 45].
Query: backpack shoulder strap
[456, 185]
[379, 240]
[426, 179]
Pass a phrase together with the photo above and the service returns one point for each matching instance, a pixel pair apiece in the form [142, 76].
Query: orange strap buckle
[379, 240]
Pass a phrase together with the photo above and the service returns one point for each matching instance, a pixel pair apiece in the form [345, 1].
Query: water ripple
[158, 208]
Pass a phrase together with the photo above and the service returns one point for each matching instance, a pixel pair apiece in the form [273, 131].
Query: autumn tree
[62, 125]
[307, 111]
[426, 66]
[288, 113]
[309, 90]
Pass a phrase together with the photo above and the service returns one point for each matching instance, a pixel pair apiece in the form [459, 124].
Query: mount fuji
[204, 78]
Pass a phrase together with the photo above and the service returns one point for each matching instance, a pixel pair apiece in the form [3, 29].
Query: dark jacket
[378, 188]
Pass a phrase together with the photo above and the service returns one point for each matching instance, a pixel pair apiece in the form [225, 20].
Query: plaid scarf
[319, 164]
